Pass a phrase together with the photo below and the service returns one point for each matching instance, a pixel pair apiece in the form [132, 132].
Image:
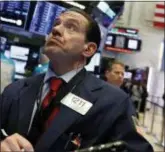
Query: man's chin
[119, 84]
[50, 50]
[53, 53]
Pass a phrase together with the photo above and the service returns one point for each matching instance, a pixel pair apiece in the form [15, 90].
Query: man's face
[67, 38]
[116, 75]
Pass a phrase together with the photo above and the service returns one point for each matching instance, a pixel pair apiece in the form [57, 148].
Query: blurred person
[136, 94]
[114, 74]
[164, 107]
[126, 87]
[67, 108]
[7, 66]
[144, 96]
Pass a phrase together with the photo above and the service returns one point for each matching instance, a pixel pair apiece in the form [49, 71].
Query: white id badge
[76, 103]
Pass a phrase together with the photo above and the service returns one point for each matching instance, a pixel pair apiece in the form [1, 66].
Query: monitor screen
[122, 43]
[14, 13]
[19, 53]
[139, 74]
[19, 66]
[44, 15]
[104, 7]
[133, 44]
[109, 40]
[127, 75]
[106, 12]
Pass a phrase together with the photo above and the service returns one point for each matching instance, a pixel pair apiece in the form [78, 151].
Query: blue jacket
[108, 120]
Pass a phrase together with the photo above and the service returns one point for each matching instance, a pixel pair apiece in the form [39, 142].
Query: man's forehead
[117, 66]
[74, 15]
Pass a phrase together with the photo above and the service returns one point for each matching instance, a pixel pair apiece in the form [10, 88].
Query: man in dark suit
[82, 112]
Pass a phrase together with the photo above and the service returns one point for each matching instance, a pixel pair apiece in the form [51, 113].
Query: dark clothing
[143, 101]
[164, 107]
[108, 120]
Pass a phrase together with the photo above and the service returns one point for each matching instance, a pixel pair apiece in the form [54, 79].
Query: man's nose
[121, 76]
[58, 30]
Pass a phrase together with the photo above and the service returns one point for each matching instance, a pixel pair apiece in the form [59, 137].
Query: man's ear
[107, 72]
[89, 49]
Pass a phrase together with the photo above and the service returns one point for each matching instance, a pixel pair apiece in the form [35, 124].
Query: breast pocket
[67, 142]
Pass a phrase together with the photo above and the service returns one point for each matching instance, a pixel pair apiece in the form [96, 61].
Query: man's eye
[117, 73]
[71, 27]
[57, 22]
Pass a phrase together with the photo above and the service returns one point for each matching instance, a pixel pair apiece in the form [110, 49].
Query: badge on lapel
[76, 103]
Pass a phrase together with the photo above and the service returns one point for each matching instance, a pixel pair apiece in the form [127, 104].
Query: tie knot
[55, 83]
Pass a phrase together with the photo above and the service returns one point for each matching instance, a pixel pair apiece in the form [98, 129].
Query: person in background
[114, 73]
[67, 108]
[144, 96]
[126, 86]
[136, 94]
[43, 65]
[164, 108]
[7, 66]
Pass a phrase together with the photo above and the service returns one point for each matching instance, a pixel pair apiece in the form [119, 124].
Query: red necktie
[54, 86]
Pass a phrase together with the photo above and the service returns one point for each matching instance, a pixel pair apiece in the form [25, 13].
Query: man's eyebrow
[74, 21]
[56, 20]
[68, 19]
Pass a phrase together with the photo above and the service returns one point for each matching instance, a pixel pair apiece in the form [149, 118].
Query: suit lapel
[66, 117]
[28, 95]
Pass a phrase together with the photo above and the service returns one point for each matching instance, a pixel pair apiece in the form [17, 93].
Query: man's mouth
[54, 38]
[54, 41]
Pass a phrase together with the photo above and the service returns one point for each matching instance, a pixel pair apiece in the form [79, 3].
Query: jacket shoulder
[14, 88]
[107, 89]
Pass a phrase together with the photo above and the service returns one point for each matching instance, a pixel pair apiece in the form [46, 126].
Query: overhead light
[74, 4]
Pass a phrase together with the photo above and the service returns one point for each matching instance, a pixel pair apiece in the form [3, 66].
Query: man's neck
[62, 68]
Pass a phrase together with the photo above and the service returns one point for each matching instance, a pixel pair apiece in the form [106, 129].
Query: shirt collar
[66, 77]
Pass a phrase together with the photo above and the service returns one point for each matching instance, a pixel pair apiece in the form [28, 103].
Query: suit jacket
[108, 120]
